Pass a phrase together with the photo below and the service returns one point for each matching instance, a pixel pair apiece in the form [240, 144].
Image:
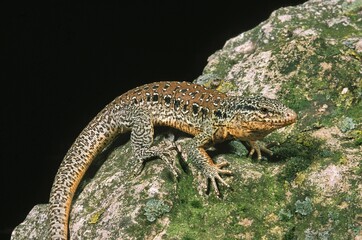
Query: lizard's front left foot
[212, 173]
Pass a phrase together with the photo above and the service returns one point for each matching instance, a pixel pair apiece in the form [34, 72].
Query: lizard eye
[264, 110]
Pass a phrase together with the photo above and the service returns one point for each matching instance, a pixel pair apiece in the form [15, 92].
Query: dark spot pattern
[148, 97]
[204, 113]
[177, 104]
[195, 108]
[167, 99]
[218, 113]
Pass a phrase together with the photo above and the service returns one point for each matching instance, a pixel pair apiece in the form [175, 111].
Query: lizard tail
[91, 141]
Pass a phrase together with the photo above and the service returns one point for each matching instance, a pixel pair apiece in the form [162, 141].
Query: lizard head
[255, 117]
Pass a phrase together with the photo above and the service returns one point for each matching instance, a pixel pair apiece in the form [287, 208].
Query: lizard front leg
[142, 139]
[194, 149]
[255, 147]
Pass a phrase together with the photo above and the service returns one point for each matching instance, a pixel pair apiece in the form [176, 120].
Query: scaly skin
[208, 115]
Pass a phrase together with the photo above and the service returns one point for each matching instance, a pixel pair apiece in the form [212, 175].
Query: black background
[63, 62]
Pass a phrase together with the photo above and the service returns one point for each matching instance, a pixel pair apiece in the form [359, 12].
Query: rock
[34, 226]
[114, 204]
[308, 56]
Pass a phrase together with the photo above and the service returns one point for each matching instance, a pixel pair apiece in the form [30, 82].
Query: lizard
[206, 114]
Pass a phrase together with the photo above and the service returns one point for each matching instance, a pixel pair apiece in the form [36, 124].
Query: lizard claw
[213, 175]
[214, 184]
[138, 168]
[168, 155]
[171, 164]
[257, 148]
[166, 151]
[222, 164]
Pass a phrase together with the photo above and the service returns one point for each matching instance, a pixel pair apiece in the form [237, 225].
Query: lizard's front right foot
[255, 148]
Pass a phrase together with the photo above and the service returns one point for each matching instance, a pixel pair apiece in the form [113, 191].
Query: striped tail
[91, 141]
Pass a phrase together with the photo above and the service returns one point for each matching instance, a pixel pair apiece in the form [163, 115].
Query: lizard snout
[290, 116]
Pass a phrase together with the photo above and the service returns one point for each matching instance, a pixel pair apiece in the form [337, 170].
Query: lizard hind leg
[143, 150]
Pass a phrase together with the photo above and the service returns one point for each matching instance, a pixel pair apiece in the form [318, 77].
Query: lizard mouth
[289, 117]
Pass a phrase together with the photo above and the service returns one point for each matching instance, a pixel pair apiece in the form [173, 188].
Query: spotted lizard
[206, 114]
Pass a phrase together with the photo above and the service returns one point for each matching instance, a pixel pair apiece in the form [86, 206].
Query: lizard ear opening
[264, 110]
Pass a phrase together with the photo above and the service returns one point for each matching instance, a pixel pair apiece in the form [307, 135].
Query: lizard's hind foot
[168, 154]
[165, 150]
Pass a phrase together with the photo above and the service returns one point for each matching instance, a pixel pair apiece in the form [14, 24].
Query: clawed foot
[254, 147]
[165, 150]
[213, 175]
[168, 154]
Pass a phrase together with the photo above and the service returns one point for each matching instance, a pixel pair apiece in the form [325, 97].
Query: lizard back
[181, 105]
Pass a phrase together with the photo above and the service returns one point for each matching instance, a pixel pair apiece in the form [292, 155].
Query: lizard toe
[222, 164]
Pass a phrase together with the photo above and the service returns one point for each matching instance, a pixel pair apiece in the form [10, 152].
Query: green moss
[339, 216]
[320, 75]
[189, 207]
[357, 136]
[196, 204]
[293, 166]
[193, 215]
[298, 153]
[289, 66]
[336, 217]
[295, 98]
[264, 203]
[222, 67]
